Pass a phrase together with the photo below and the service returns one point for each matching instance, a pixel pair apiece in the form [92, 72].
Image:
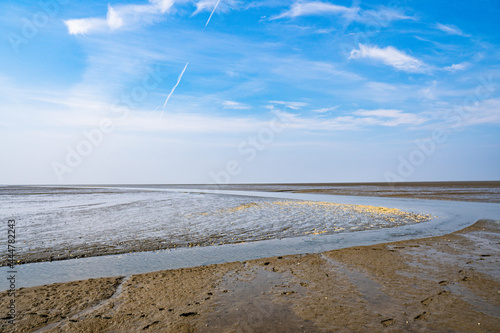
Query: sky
[233, 91]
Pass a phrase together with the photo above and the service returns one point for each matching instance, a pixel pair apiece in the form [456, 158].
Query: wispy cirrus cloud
[325, 110]
[290, 105]
[483, 112]
[457, 67]
[382, 15]
[132, 15]
[192, 122]
[120, 16]
[212, 5]
[450, 29]
[355, 120]
[391, 117]
[390, 56]
[232, 105]
[315, 8]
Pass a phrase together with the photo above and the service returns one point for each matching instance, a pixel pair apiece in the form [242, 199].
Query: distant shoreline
[495, 183]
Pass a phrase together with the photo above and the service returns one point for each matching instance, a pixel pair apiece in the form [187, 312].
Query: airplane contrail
[173, 89]
[184, 69]
[212, 13]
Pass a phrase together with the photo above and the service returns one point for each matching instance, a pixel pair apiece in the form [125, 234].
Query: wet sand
[449, 283]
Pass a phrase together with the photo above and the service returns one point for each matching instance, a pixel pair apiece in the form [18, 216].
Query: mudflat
[477, 191]
[448, 283]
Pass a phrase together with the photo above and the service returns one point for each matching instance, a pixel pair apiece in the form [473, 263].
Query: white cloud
[204, 123]
[210, 5]
[120, 16]
[382, 16]
[68, 111]
[114, 20]
[391, 117]
[315, 8]
[204, 5]
[357, 120]
[487, 112]
[163, 5]
[290, 105]
[83, 26]
[324, 110]
[235, 105]
[325, 31]
[481, 112]
[449, 29]
[457, 67]
[390, 56]
[429, 92]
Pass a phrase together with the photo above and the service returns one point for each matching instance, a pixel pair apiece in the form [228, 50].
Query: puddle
[246, 305]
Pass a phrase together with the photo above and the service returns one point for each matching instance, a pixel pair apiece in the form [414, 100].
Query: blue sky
[207, 91]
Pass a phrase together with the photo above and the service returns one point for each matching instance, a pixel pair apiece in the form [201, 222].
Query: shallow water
[76, 221]
[448, 216]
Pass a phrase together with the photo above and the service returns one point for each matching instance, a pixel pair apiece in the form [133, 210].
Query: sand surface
[449, 283]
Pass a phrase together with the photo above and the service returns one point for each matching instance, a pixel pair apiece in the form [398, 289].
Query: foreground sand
[441, 284]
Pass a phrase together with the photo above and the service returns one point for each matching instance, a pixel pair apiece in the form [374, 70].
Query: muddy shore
[449, 283]
[41, 250]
